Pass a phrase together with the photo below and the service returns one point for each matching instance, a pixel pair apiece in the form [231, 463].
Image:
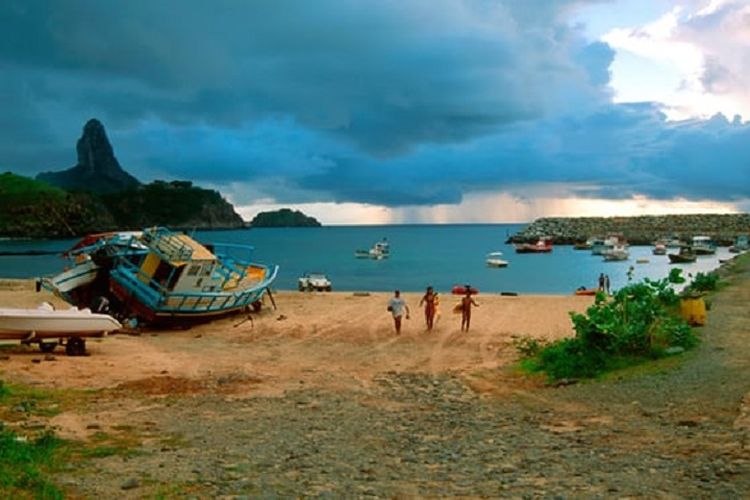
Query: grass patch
[24, 465]
[660, 366]
[18, 402]
[103, 444]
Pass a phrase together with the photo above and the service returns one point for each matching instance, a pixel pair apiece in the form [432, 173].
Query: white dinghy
[68, 327]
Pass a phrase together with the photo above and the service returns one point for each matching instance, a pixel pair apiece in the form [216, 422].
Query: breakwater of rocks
[638, 230]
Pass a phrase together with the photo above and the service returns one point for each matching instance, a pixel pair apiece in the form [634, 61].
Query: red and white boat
[543, 245]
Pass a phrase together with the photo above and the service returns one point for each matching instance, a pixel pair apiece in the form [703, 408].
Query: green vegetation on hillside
[175, 204]
[639, 322]
[34, 208]
[284, 218]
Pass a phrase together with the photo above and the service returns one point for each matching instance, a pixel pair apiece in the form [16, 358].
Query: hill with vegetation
[98, 195]
[176, 204]
[284, 217]
[31, 208]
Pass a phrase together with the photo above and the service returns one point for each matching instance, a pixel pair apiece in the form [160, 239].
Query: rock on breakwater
[638, 230]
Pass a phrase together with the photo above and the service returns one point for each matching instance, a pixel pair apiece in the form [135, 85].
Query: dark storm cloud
[384, 75]
[388, 102]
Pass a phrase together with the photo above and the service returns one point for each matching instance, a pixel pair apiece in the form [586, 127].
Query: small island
[284, 217]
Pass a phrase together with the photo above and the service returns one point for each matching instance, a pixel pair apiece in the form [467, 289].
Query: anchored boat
[703, 245]
[379, 251]
[162, 276]
[494, 259]
[686, 255]
[542, 245]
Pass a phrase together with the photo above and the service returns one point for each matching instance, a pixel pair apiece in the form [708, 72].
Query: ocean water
[421, 255]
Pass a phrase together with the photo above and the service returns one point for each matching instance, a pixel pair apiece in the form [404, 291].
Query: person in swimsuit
[466, 302]
[429, 299]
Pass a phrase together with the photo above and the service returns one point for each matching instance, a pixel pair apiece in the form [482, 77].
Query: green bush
[639, 322]
[703, 283]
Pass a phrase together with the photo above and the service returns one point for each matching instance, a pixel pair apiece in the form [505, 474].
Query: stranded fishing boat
[161, 276]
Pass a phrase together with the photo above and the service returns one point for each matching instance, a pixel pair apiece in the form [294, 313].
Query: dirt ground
[320, 397]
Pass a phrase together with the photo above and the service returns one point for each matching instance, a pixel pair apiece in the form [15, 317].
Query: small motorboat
[600, 246]
[494, 259]
[686, 255]
[583, 245]
[380, 250]
[741, 244]
[659, 249]
[616, 253]
[703, 245]
[543, 245]
[69, 326]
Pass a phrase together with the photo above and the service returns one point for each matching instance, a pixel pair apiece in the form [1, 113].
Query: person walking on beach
[397, 306]
[601, 282]
[606, 283]
[429, 299]
[466, 302]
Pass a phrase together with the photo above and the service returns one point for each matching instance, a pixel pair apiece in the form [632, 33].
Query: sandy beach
[337, 339]
[320, 397]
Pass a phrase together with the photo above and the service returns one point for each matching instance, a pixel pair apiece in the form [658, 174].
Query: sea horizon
[439, 255]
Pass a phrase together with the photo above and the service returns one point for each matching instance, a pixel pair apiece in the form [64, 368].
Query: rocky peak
[97, 169]
[94, 150]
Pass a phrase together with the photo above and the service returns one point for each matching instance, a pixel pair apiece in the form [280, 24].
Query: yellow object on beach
[693, 311]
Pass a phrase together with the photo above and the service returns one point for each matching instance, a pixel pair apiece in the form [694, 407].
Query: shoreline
[22, 282]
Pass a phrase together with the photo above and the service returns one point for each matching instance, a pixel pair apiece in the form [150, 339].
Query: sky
[394, 111]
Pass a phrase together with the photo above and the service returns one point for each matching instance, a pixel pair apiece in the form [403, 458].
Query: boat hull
[81, 275]
[145, 303]
[704, 251]
[159, 275]
[497, 263]
[681, 259]
[614, 258]
[533, 249]
[27, 324]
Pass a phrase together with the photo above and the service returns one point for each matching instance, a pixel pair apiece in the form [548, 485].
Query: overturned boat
[159, 276]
